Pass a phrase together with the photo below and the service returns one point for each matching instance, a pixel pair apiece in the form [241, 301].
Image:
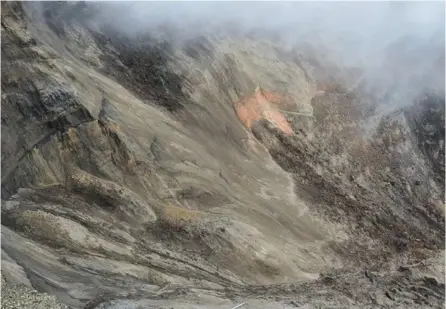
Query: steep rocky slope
[130, 169]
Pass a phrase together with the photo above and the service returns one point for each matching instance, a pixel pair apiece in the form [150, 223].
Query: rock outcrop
[150, 172]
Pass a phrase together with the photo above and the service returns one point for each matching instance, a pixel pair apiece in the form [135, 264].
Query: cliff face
[151, 169]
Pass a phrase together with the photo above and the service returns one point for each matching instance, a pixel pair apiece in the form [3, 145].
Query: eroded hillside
[208, 171]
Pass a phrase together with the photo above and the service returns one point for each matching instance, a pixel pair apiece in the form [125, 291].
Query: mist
[397, 46]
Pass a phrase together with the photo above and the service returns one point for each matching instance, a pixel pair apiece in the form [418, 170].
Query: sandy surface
[129, 170]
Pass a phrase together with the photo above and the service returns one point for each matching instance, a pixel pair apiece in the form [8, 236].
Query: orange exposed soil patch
[264, 105]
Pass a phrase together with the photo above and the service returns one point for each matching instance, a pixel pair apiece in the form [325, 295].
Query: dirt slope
[147, 170]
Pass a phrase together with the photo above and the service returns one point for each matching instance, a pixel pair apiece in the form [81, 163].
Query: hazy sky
[356, 33]
[366, 25]
[340, 15]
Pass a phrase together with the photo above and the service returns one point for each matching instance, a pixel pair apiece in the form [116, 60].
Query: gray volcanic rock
[22, 297]
[128, 181]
